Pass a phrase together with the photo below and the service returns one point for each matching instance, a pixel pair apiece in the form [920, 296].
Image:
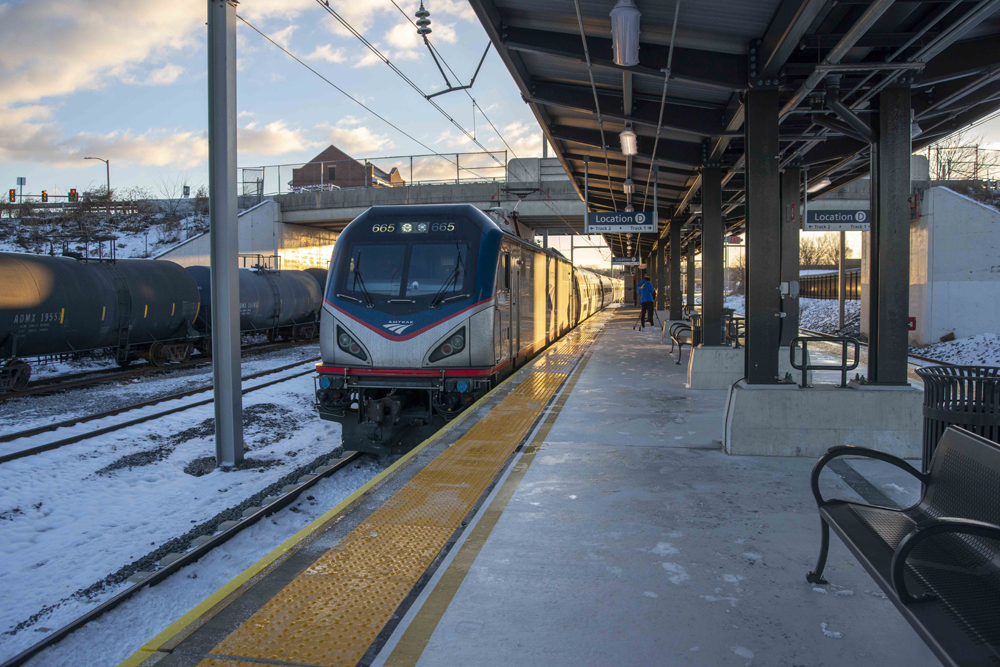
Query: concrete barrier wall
[262, 231]
[954, 268]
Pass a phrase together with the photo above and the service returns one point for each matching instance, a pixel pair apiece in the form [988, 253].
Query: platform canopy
[688, 84]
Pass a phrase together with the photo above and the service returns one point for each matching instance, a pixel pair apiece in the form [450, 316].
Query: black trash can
[964, 396]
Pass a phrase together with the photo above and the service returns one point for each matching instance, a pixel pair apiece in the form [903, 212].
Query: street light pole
[107, 165]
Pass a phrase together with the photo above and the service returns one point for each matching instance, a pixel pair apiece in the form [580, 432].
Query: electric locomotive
[429, 307]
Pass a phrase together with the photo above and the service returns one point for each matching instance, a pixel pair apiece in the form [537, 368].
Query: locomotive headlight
[349, 345]
[453, 345]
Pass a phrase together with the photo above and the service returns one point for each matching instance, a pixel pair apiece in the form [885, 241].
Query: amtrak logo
[397, 327]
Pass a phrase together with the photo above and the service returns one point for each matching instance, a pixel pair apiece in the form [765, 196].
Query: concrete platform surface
[630, 538]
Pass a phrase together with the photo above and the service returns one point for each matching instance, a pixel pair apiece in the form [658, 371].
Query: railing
[824, 286]
[843, 366]
[384, 171]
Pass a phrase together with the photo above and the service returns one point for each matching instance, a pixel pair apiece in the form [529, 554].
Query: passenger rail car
[427, 308]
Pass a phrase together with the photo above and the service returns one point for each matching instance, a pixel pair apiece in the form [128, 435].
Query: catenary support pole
[790, 178]
[223, 232]
[890, 239]
[676, 255]
[841, 280]
[712, 263]
[763, 237]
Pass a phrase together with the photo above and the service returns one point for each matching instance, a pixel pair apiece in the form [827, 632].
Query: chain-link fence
[341, 172]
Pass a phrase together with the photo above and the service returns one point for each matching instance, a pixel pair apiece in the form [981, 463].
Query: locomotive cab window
[506, 270]
[400, 265]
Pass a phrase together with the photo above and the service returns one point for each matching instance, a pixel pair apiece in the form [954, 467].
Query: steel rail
[189, 557]
[135, 406]
[63, 382]
[56, 444]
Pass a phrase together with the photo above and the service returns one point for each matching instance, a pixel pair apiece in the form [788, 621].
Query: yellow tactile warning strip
[414, 640]
[333, 612]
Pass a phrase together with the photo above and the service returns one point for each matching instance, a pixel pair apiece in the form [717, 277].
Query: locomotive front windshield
[390, 265]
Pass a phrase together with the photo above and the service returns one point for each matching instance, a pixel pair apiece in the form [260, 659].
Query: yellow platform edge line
[194, 614]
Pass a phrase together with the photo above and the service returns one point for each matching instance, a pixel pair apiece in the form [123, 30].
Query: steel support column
[712, 262]
[676, 307]
[763, 237]
[790, 223]
[224, 232]
[660, 275]
[890, 239]
[689, 296]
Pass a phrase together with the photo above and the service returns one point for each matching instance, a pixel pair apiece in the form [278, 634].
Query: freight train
[429, 307]
[134, 308]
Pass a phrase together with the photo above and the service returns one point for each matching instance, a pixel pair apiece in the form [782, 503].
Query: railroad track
[56, 444]
[52, 385]
[251, 516]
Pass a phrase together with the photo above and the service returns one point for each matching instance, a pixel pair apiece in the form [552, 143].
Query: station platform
[584, 513]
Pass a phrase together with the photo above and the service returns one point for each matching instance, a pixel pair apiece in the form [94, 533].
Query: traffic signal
[12, 194]
[45, 196]
[73, 196]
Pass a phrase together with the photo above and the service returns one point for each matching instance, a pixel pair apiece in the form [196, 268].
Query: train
[429, 307]
[134, 309]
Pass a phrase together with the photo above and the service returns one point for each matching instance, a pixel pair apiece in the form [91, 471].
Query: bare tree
[961, 157]
[201, 201]
[738, 274]
[171, 191]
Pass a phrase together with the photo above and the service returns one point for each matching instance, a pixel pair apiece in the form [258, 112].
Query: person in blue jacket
[647, 295]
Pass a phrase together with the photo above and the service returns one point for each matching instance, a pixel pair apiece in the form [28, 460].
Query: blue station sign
[837, 220]
[635, 222]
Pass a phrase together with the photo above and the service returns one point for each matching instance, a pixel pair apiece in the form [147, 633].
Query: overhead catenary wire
[663, 101]
[381, 56]
[474, 102]
[597, 104]
[352, 98]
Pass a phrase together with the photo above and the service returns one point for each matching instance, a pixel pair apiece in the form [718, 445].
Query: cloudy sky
[126, 80]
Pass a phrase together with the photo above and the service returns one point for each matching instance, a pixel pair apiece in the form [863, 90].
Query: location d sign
[838, 220]
[624, 261]
[636, 222]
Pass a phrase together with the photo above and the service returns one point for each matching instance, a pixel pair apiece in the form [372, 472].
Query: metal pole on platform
[223, 232]
[841, 281]
[889, 259]
[790, 181]
[713, 259]
[763, 237]
[586, 193]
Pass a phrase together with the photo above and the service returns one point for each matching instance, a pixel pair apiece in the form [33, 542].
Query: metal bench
[938, 561]
[680, 334]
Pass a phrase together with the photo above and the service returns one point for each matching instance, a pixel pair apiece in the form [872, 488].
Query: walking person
[646, 295]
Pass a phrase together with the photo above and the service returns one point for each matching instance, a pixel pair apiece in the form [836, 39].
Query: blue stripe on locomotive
[486, 265]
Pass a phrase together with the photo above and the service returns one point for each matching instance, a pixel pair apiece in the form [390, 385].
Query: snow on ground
[816, 314]
[160, 237]
[18, 414]
[978, 350]
[121, 632]
[111, 505]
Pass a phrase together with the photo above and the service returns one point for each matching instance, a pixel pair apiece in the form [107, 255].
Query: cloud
[28, 135]
[164, 75]
[284, 35]
[262, 10]
[453, 140]
[272, 139]
[356, 140]
[98, 42]
[328, 53]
